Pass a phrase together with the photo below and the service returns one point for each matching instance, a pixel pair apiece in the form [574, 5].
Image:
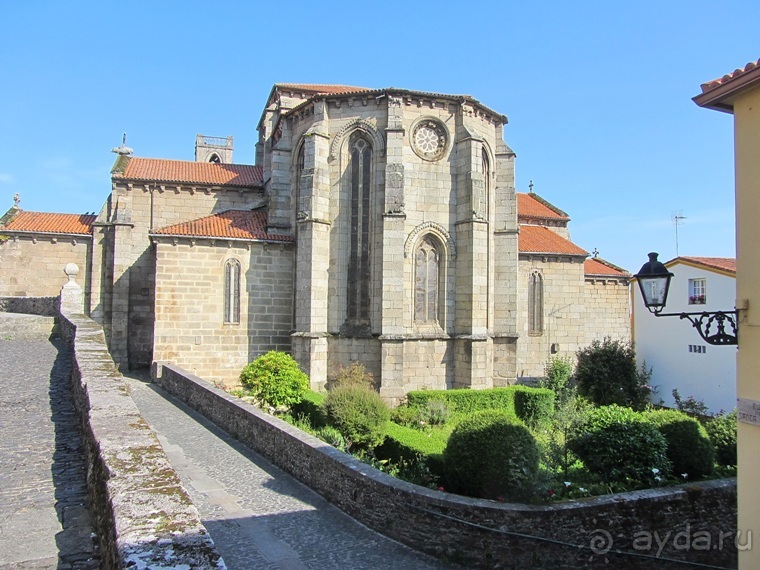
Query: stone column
[393, 291]
[313, 253]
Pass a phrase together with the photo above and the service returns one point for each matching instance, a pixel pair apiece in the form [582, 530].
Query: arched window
[486, 165]
[214, 158]
[536, 304]
[360, 171]
[232, 291]
[426, 282]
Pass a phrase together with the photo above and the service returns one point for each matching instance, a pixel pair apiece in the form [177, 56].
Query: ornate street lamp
[654, 282]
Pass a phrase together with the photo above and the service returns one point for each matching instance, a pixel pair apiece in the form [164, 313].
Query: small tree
[275, 380]
[557, 377]
[606, 374]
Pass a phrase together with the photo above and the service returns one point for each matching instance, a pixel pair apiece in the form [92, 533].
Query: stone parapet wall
[144, 517]
[694, 523]
[43, 306]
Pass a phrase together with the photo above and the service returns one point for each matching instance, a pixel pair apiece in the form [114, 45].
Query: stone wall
[44, 306]
[608, 312]
[694, 523]
[33, 264]
[144, 517]
[189, 325]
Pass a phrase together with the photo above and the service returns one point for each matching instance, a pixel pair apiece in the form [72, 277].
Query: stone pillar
[473, 358]
[506, 309]
[393, 291]
[122, 262]
[313, 253]
[72, 297]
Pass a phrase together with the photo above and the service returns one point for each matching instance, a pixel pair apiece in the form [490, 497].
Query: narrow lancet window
[359, 253]
[232, 291]
[536, 304]
[426, 270]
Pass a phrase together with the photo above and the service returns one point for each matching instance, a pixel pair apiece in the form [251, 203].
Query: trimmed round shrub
[722, 432]
[534, 406]
[689, 447]
[624, 451]
[491, 455]
[604, 416]
[359, 414]
[275, 380]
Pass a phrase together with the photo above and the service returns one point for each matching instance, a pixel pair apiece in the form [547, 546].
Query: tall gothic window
[536, 304]
[486, 181]
[232, 291]
[360, 170]
[426, 289]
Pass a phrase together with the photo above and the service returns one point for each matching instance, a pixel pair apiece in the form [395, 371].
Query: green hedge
[534, 406]
[407, 443]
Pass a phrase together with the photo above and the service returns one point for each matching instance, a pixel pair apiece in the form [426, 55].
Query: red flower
[440, 488]
[551, 492]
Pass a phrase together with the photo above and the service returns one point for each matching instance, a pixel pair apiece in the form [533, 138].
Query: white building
[672, 347]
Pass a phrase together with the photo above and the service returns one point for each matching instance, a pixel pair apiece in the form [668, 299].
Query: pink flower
[551, 492]
[441, 489]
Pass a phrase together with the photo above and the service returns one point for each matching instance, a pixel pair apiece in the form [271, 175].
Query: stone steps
[15, 326]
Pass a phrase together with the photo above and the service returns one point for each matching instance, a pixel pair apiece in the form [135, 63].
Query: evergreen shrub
[275, 380]
[465, 401]
[310, 407]
[618, 445]
[722, 432]
[606, 374]
[491, 455]
[359, 413]
[332, 436]
[405, 415]
[408, 444]
[534, 406]
[689, 447]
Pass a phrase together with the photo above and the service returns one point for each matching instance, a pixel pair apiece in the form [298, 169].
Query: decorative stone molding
[432, 228]
[378, 144]
[429, 138]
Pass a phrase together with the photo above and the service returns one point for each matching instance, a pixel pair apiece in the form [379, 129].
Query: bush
[623, 448]
[722, 432]
[689, 447]
[407, 444]
[433, 413]
[690, 405]
[275, 380]
[534, 406]
[332, 436]
[465, 401]
[606, 374]
[359, 414]
[558, 372]
[353, 375]
[405, 416]
[310, 407]
[491, 455]
[600, 418]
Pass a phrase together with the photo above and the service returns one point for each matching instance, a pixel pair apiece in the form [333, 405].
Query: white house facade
[672, 347]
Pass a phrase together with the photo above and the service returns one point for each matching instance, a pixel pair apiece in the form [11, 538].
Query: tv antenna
[677, 218]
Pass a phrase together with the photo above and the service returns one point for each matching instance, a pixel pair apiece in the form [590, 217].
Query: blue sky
[598, 95]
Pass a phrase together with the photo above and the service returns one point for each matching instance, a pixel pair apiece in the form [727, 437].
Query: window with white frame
[697, 291]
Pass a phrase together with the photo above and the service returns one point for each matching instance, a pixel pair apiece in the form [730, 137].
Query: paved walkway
[258, 516]
[44, 521]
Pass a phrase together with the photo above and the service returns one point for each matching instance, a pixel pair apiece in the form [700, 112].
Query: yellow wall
[747, 149]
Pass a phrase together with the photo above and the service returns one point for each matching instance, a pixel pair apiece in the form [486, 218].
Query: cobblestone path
[258, 516]
[44, 521]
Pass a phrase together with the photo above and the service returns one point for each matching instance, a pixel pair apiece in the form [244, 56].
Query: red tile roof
[598, 266]
[538, 239]
[188, 172]
[320, 89]
[534, 207]
[44, 222]
[720, 263]
[715, 83]
[232, 224]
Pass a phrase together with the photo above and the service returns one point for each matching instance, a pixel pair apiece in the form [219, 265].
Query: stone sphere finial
[71, 270]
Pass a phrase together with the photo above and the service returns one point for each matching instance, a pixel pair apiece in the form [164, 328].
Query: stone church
[377, 225]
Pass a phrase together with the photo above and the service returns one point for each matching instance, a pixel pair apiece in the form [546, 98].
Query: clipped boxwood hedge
[406, 443]
[534, 406]
[465, 401]
[689, 447]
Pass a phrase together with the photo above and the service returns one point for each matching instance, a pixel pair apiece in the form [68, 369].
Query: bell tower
[213, 149]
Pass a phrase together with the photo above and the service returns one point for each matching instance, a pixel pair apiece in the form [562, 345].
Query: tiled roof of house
[231, 224]
[720, 263]
[534, 207]
[320, 89]
[538, 239]
[44, 222]
[187, 172]
[715, 83]
[719, 94]
[598, 266]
